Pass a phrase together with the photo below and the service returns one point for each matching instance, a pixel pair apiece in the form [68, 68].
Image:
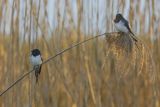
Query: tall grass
[109, 71]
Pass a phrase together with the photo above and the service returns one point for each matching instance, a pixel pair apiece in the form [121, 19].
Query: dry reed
[109, 71]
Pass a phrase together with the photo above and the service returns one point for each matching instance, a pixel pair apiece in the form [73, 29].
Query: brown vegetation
[109, 71]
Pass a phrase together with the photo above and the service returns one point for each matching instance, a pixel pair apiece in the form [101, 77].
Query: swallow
[122, 25]
[36, 61]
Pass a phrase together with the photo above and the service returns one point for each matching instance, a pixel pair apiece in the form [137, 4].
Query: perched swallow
[36, 61]
[122, 25]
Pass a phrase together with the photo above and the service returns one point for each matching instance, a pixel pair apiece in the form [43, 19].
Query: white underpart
[36, 60]
[121, 27]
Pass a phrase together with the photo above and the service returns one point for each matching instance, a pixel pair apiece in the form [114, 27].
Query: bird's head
[118, 17]
[35, 52]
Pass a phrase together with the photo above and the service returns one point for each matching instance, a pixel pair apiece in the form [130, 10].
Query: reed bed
[109, 71]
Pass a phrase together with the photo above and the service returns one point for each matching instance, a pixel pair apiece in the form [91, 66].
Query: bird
[122, 25]
[36, 61]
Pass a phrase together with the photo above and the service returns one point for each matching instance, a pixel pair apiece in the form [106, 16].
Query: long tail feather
[37, 73]
[133, 36]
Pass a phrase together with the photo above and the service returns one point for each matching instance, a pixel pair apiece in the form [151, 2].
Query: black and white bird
[122, 25]
[36, 61]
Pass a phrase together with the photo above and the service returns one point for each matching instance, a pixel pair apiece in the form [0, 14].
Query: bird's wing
[40, 69]
[40, 65]
[127, 25]
[41, 59]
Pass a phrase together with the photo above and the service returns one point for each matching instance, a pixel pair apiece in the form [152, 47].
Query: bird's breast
[121, 27]
[36, 60]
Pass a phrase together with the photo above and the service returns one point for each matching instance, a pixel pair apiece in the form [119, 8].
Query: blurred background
[76, 78]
